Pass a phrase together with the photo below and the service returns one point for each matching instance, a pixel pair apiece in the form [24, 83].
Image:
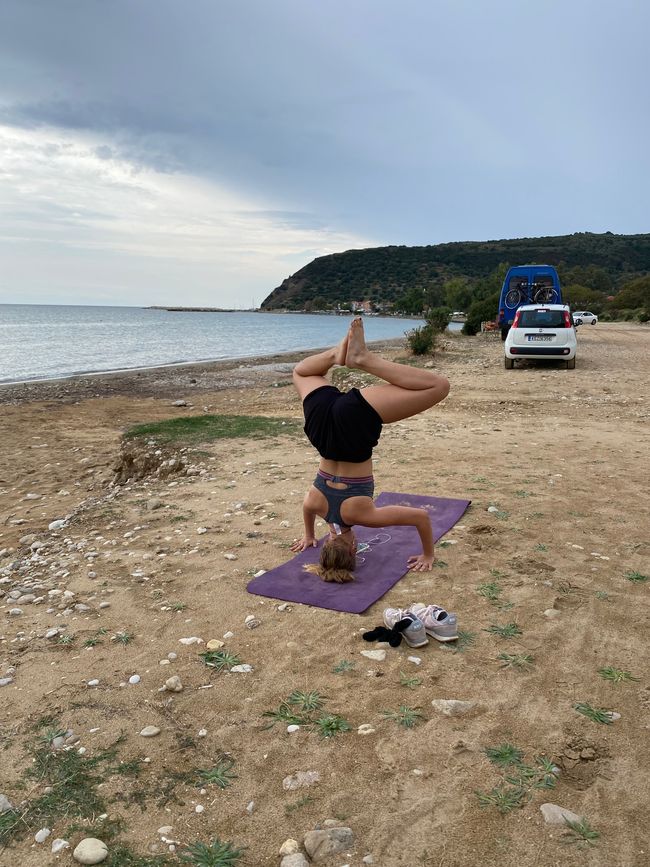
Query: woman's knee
[439, 391]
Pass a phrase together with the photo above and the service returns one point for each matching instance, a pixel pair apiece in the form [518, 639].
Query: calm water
[47, 341]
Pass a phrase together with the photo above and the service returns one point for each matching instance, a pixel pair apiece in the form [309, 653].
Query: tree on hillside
[633, 296]
[590, 276]
[458, 293]
[583, 298]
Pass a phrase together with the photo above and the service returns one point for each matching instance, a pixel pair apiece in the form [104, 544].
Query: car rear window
[541, 318]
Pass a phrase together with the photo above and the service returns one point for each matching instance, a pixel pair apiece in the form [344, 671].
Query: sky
[197, 152]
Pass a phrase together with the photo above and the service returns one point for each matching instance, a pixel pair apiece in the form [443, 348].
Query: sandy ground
[564, 457]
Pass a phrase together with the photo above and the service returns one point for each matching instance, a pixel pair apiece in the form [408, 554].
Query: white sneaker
[414, 634]
[438, 623]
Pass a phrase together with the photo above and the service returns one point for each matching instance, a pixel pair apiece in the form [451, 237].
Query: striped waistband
[357, 480]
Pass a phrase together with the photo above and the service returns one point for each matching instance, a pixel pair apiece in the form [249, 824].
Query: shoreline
[159, 380]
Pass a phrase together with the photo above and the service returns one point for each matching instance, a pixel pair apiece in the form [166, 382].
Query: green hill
[412, 279]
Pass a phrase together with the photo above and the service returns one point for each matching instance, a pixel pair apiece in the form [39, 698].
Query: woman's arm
[364, 512]
[309, 519]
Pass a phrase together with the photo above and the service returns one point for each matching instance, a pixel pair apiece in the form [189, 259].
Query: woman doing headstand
[344, 428]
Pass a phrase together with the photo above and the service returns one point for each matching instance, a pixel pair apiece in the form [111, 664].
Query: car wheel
[593, 321]
[509, 363]
[570, 365]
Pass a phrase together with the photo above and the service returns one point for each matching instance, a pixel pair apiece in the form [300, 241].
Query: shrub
[644, 316]
[438, 318]
[422, 340]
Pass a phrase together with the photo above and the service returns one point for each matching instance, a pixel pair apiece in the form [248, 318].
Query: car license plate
[540, 337]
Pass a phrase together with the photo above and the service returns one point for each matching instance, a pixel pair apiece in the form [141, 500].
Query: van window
[518, 282]
[541, 318]
[544, 281]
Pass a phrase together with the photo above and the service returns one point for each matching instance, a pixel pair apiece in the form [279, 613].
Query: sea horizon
[41, 342]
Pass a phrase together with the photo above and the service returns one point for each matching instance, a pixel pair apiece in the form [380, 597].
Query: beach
[556, 541]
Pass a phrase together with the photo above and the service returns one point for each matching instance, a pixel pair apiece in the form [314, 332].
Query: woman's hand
[303, 544]
[421, 563]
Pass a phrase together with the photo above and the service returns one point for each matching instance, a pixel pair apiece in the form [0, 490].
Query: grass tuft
[465, 640]
[637, 577]
[301, 708]
[306, 701]
[505, 799]
[519, 779]
[406, 716]
[220, 659]
[508, 630]
[220, 775]
[593, 713]
[504, 755]
[343, 665]
[123, 637]
[616, 675]
[580, 832]
[408, 681]
[207, 428]
[330, 725]
[214, 854]
[297, 805]
[516, 660]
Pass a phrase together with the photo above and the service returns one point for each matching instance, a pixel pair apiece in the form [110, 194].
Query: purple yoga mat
[383, 564]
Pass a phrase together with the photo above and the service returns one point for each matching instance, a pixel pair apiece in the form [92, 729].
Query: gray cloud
[412, 123]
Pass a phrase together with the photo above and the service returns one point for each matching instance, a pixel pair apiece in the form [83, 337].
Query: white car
[541, 332]
[584, 317]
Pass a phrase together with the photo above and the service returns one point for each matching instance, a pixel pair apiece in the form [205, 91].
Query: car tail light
[515, 324]
[567, 319]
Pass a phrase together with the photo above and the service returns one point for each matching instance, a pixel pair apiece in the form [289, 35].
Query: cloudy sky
[197, 152]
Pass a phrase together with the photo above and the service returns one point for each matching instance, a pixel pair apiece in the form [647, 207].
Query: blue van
[527, 284]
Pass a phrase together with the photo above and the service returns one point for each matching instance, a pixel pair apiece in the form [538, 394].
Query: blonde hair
[336, 564]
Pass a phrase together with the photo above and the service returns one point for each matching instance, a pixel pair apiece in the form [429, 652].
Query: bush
[422, 340]
[438, 318]
[644, 316]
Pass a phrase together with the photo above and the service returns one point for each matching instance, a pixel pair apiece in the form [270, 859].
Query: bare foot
[341, 351]
[357, 350]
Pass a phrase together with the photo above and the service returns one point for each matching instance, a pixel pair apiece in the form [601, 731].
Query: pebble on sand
[90, 851]
[321, 845]
[214, 644]
[452, 707]
[150, 731]
[289, 847]
[296, 859]
[42, 835]
[555, 815]
[59, 845]
[377, 655]
[300, 779]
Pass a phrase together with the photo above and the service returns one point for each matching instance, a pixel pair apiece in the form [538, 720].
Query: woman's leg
[409, 390]
[309, 374]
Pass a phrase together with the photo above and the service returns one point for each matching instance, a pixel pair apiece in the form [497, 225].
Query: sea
[40, 342]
